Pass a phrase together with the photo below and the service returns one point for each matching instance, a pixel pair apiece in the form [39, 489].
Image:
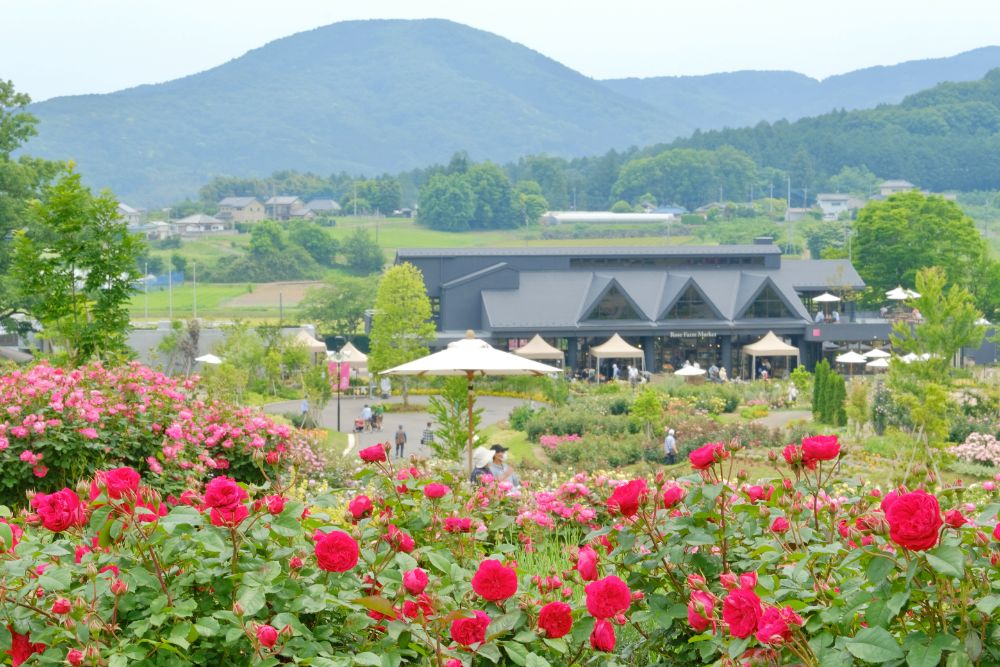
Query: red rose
[625, 499]
[454, 524]
[422, 605]
[275, 504]
[15, 532]
[494, 582]
[792, 454]
[229, 517]
[118, 483]
[914, 520]
[820, 448]
[672, 495]
[267, 636]
[773, 626]
[602, 638]
[399, 540]
[586, 564]
[435, 491]
[469, 631]
[415, 581]
[556, 618]
[955, 518]
[996, 532]
[224, 493]
[61, 606]
[360, 506]
[373, 454]
[21, 647]
[741, 611]
[336, 551]
[705, 456]
[75, 657]
[758, 493]
[608, 597]
[60, 510]
[701, 609]
[780, 525]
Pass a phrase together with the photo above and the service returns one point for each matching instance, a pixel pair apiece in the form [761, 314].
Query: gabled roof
[743, 303]
[820, 275]
[238, 202]
[199, 219]
[832, 197]
[323, 205]
[125, 208]
[606, 284]
[896, 184]
[282, 200]
[677, 285]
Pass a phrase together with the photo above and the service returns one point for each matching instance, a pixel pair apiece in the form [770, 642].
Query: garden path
[495, 409]
[781, 418]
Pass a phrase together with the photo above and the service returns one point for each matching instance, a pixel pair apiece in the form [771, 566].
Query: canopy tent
[616, 348]
[899, 293]
[352, 356]
[470, 357]
[316, 348]
[209, 359]
[537, 348]
[769, 346]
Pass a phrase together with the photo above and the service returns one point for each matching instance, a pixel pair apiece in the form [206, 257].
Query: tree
[21, 181]
[647, 411]
[267, 238]
[401, 324]
[315, 240]
[75, 269]
[947, 324]
[450, 410]
[338, 307]
[493, 196]
[819, 391]
[909, 231]
[362, 254]
[447, 203]
[531, 204]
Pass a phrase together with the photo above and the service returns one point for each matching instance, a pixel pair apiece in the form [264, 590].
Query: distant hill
[360, 96]
[738, 99]
[385, 96]
[944, 138]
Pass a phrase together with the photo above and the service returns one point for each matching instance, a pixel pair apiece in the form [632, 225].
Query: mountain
[944, 138]
[737, 99]
[360, 96]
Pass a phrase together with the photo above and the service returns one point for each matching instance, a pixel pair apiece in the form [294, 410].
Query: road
[494, 408]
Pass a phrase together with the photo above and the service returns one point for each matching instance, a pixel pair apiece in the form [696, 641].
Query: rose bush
[704, 575]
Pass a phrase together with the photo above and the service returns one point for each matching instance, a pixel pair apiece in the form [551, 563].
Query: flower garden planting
[182, 537]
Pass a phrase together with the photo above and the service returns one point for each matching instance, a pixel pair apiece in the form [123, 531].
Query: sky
[64, 47]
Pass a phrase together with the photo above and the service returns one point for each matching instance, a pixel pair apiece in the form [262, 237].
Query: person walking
[427, 437]
[400, 441]
[366, 415]
[670, 448]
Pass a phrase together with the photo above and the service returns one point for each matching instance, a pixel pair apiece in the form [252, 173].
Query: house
[154, 230]
[834, 205]
[130, 215]
[301, 213]
[892, 187]
[240, 209]
[323, 206]
[281, 207]
[199, 223]
[603, 217]
[795, 214]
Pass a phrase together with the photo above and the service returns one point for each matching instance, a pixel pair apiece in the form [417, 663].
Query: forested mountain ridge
[360, 96]
[945, 138]
[737, 99]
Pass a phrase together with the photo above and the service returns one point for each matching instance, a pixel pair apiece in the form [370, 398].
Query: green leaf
[878, 569]
[517, 652]
[973, 646]
[439, 561]
[179, 634]
[206, 626]
[54, 579]
[988, 604]
[557, 645]
[535, 660]
[923, 656]
[180, 516]
[252, 599]
[503, 624]
[947, 560]
[376, 603]
[367, 658]
[490, 652]
[6, 536]
[874, 645]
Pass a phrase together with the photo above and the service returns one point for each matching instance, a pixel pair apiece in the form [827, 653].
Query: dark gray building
[677, 303]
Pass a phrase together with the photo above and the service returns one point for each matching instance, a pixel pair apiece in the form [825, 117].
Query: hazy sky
[61, 47]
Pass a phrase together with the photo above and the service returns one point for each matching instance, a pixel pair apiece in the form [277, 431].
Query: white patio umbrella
[209, 359]
[690, 370]
[881, 362]
[850, 358]
[876, 353]
[470, 357]
[899, 293]
[907, 358]
[826, 298]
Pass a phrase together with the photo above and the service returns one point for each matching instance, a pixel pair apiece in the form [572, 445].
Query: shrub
[519, 417]
[980, 448]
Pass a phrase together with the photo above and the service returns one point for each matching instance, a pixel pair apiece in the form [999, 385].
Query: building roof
[820, 275]
[125, 208]
[199, 219]
[624, 251]
[897, 184]
[238, 202]
[833, 197]
[565, 217]
[282, 200]
[323, 205]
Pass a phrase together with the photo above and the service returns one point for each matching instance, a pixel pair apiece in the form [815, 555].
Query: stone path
[494, 408]
[781, 418]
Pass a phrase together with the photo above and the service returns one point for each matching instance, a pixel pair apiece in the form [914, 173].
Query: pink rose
[60, 510]
[741, 610]
[701, 610]
[415, 581]
[586, 564]
[267, 636]
[435, 491]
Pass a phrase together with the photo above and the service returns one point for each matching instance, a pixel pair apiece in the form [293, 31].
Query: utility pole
[770, 202]
[170, 289]
[194, 282]
[720, 194]
[805, 197]
[789, 192]
[145, 284]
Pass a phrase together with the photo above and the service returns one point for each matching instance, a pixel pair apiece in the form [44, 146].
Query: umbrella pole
[470, 389]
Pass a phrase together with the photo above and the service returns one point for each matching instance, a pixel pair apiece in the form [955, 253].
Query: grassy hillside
[360, 96]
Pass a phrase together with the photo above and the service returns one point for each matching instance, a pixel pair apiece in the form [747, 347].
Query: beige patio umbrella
[470, 357]
[850, 358]
[876, 353]
[880, 363]
[826, 298]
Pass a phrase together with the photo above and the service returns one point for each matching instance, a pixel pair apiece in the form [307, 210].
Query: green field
[212, 303]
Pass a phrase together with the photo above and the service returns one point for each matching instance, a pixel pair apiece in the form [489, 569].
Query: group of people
[370, 419]
[717, 373]
[400, 438]
[833, 317]
[631, 373]
[492, 462]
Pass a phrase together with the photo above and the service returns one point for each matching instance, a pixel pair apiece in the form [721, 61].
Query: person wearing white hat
[481, 458]
[670, 448]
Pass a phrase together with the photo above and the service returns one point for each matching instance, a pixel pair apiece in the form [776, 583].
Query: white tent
[470, 357]
[876, 353]
[353, 356]
[209, 359]
[616, 348]
[769, 346]
[878, 363]
[826, 297]
[537, 348]
[899, 293]
[316, 348]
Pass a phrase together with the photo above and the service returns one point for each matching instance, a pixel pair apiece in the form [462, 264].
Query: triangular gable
[690, 303]
[767, 302]
[612, 303]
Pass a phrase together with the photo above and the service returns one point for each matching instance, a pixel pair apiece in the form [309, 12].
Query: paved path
[780, 418]
[494, 408]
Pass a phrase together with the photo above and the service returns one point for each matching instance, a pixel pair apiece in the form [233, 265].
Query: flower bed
[805, 569]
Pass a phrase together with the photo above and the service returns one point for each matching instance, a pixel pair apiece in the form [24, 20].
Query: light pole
[340, 357]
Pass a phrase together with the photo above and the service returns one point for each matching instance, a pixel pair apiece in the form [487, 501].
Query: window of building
[613, 306]
[690, 306]
[767, 305]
